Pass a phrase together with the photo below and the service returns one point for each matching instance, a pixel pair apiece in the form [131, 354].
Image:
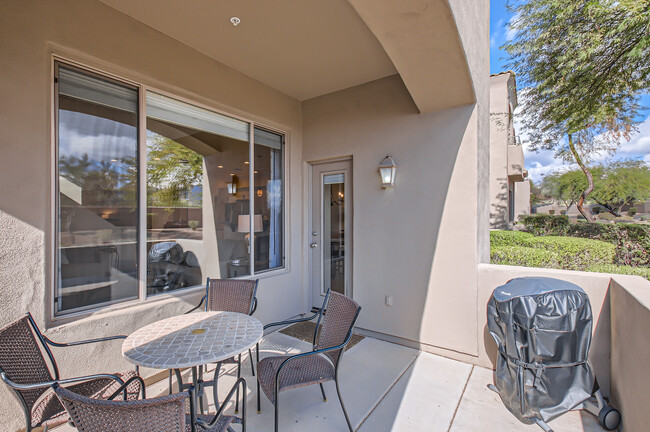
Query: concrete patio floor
[386, 387]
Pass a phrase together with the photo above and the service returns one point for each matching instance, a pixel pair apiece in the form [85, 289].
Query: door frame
[348, 226]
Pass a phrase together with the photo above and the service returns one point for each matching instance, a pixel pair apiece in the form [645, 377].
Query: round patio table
[192, 340]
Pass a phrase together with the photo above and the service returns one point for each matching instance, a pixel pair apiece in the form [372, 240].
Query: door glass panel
[97, 182]
[333, 238]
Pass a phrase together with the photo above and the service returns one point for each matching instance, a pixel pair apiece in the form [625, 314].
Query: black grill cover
[542, 327]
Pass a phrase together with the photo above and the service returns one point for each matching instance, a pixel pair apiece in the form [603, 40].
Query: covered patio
[279, 121]
[386, 387]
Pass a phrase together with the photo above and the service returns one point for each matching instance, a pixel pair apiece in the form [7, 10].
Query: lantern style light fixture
[387, 170]
[232, 186]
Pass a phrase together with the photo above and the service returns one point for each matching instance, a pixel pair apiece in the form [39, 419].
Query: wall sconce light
[387, 170]
[232, 186]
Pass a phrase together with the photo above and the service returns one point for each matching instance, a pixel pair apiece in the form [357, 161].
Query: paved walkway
[387, 388]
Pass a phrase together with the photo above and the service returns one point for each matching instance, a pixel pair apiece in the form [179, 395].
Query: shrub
[577, 253]
[616, 269]
[542, 224]
[194, 224]
[632, 241]
[632, 211]
[570, 253]
[509, 238]
[524, 256]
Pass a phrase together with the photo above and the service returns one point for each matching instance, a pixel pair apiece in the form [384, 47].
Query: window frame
[143, 297]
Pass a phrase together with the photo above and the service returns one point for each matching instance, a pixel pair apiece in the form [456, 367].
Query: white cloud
[511, 29]
[639, 145]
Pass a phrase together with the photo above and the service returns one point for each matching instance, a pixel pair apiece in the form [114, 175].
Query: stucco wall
[472, 22]
[630, 300]
[499, 130]
[522, 198]
[98, 36]
[416, 242]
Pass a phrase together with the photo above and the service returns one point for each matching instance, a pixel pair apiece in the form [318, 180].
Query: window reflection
[97, 184]
[268, 190]
[197, 188]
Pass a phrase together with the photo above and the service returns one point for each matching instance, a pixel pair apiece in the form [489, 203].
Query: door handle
[313, 245]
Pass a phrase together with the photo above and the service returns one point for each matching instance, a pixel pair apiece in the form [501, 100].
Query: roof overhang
[307, 49]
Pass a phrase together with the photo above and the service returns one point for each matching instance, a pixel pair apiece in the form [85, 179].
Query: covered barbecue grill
[542, 327]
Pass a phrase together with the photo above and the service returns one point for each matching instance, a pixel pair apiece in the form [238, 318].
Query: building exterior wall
[522, 199]
[507, 169]
[98, 36]
[499, 130]
[416, 242]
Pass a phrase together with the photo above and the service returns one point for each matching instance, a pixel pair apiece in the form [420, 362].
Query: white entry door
[330, 234]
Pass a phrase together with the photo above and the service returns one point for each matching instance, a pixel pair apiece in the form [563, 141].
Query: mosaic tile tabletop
[191, 340]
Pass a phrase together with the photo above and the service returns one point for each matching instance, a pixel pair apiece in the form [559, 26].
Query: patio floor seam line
[383, 396]
[460, 399]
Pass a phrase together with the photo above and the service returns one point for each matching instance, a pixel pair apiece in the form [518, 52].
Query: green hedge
[553, 252]
[613, 268]
[510, 238]
[577, 253]
[632, 241]
[524, 256]
[544, 224]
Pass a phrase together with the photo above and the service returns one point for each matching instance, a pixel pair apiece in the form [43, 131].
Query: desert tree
[582, 65]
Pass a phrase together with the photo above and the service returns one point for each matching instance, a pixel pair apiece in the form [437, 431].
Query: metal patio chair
[279, 373]
[24, 368]
[231, 296]
[161, 414]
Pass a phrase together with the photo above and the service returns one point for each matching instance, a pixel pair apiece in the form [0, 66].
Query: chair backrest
[231, 295]
[21, 359]
[338, 322]
[163, 414]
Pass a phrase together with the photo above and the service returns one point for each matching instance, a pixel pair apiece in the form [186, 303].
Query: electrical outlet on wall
[389, 301]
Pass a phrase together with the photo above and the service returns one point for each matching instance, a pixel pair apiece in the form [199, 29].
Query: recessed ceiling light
[255, 172]
[231, 174]
[220, 166]
[113, 160]
[246, 162]
[235, 21]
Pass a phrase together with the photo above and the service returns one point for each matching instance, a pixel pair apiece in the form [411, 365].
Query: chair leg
[238, 376]
[322, 390]
[215, 393]
[338, 391]
[259, 407]
[277, 398]
[250, 356]
[170, 381]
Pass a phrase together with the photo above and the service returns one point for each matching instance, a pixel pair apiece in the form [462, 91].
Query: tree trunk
[590, 182]
[610, 209]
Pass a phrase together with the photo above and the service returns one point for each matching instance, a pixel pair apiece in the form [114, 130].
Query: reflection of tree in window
[174, 173]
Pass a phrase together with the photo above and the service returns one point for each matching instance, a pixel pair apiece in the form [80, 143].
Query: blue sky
[543, 163]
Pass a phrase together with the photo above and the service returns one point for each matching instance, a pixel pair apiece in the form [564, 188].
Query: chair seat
[49, 411]
[303, 371]
[221, 425]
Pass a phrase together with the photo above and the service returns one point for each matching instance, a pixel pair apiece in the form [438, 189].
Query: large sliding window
[205, 175]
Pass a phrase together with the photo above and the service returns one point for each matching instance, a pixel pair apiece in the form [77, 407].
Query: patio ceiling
[302, 48]
[310, 48]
